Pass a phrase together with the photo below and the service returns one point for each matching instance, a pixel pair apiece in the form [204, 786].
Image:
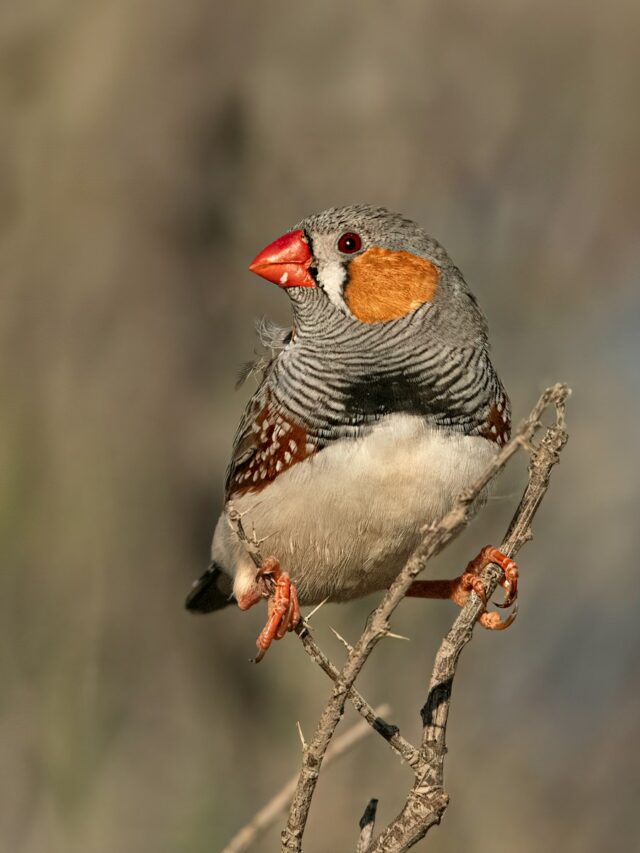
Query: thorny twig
[278, 804]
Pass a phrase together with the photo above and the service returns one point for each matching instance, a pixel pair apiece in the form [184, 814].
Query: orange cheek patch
[384, 285]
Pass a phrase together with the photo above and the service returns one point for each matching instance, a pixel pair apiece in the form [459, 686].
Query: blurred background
[149, 150]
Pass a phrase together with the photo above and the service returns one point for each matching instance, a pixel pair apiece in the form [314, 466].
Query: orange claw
[458, 589]
[492, 621]
[283, 606]
[510, 569]
[509, 583]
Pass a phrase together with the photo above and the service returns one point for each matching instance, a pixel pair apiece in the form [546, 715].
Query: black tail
[213, 591]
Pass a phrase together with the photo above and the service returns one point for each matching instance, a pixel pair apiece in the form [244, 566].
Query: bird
[379, 406]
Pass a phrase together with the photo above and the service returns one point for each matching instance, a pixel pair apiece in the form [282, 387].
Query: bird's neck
[323, 328]
[338, 374]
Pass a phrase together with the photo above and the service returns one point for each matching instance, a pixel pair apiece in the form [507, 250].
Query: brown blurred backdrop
[148, 151]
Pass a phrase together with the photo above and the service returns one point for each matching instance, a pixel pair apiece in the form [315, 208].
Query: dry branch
[427, 800]
[270, 813]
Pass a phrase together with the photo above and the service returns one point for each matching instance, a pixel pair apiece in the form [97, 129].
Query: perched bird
[381, 406]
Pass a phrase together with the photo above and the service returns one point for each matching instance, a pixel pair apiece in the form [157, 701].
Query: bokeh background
[149, 150]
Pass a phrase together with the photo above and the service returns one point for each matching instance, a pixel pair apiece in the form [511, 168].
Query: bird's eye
[349, 243]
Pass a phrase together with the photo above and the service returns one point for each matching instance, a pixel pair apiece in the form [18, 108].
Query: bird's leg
[458, 589]
[283, 608]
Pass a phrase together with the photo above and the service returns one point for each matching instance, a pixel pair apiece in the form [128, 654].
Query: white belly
[343, 522]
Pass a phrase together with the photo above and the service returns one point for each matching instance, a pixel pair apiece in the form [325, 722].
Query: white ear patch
[331, 277]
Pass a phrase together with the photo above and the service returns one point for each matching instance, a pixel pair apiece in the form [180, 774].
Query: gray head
[374, 266]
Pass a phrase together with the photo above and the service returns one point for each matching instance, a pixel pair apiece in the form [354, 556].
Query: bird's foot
[471, 580]
[283, 606]
[460, 588]
[510, 580]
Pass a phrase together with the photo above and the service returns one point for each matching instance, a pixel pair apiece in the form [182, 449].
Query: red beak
[286, 261]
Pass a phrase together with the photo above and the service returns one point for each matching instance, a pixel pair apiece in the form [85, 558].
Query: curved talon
[259, 656]
[510, 585]
[508, 599]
